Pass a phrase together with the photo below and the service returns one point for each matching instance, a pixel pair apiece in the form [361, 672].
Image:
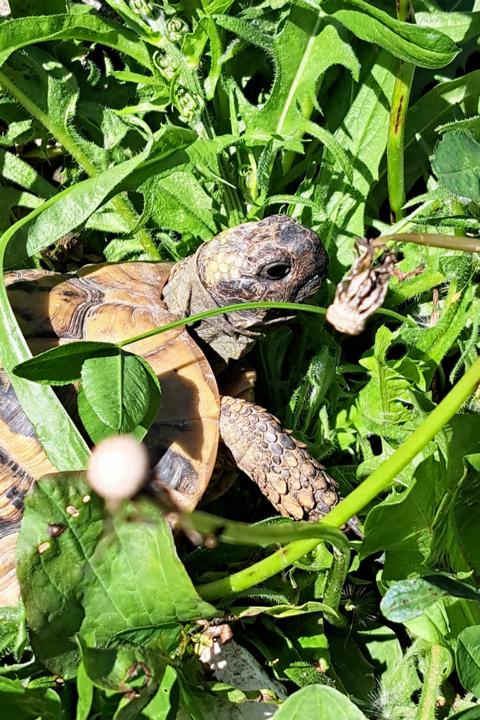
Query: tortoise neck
[185, 295]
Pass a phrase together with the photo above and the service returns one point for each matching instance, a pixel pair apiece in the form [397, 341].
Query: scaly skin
[294, 482]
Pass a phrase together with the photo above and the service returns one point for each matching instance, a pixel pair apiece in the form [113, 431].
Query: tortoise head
[274, 259]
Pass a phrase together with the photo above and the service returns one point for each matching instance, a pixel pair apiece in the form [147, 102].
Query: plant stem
[61, 134]
[431, 685]
[262, 535]
[449, 242]
[396, 127]
[334, 585]
[367, 491]
[299, 307]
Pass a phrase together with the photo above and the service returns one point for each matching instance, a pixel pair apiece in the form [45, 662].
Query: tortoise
[271, 259]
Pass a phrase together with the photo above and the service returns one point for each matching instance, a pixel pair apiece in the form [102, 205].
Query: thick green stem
[431, 685]
[61, 134]
[396, 127]
[367, 491]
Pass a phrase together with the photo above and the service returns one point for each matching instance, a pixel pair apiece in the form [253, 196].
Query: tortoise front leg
[294, 482]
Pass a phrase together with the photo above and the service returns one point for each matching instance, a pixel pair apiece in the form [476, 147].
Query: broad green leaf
[409, 598]
[456, 163]
[102, 578]
[449, 100]
[427, 48]
[13, 198]
[116, 387]
[17, 33]
[63, 364]
[94, 418]
[318, 701]
[96, 429]
[402, 525]
[459, 26]
[468, 658]
[23, 703]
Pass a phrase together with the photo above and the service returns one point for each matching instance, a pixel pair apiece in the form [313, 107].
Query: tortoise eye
[276, 270]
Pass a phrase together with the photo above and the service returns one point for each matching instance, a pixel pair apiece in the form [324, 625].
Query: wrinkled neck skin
[185, 295]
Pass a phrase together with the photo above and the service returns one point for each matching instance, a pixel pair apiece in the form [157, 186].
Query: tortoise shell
[108, 303]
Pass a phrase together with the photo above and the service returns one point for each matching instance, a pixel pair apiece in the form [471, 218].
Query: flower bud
[118, 468]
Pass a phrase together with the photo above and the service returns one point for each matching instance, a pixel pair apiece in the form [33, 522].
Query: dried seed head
[118, 468]
[362, 291]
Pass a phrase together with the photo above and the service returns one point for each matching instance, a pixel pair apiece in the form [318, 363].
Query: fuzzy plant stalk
[396, 126]
[379, 481]
[67, 141]
[433, 677]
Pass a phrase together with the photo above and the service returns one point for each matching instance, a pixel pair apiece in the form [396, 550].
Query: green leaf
[409, 598]
[301, 53]
[85, 694]
[180, 203]
[13, 633]
[427, 48]
[360, 117]
[468, 658]
[456, 163]
[117, 389]
[63, 364]
[13, 168]
[465, 516]
[22, 703]
[165, 701]
[318, 701]
[122, 668]
[459, 26]
[101, 578]
[17, 33]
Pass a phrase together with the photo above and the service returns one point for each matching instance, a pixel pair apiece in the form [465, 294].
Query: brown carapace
[273, 259]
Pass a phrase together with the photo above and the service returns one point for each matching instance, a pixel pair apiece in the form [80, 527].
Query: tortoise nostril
[276, 271]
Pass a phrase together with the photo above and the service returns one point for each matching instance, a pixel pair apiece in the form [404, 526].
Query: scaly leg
[294, 482]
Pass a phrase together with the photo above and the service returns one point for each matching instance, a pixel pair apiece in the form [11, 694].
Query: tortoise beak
[313, 284]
